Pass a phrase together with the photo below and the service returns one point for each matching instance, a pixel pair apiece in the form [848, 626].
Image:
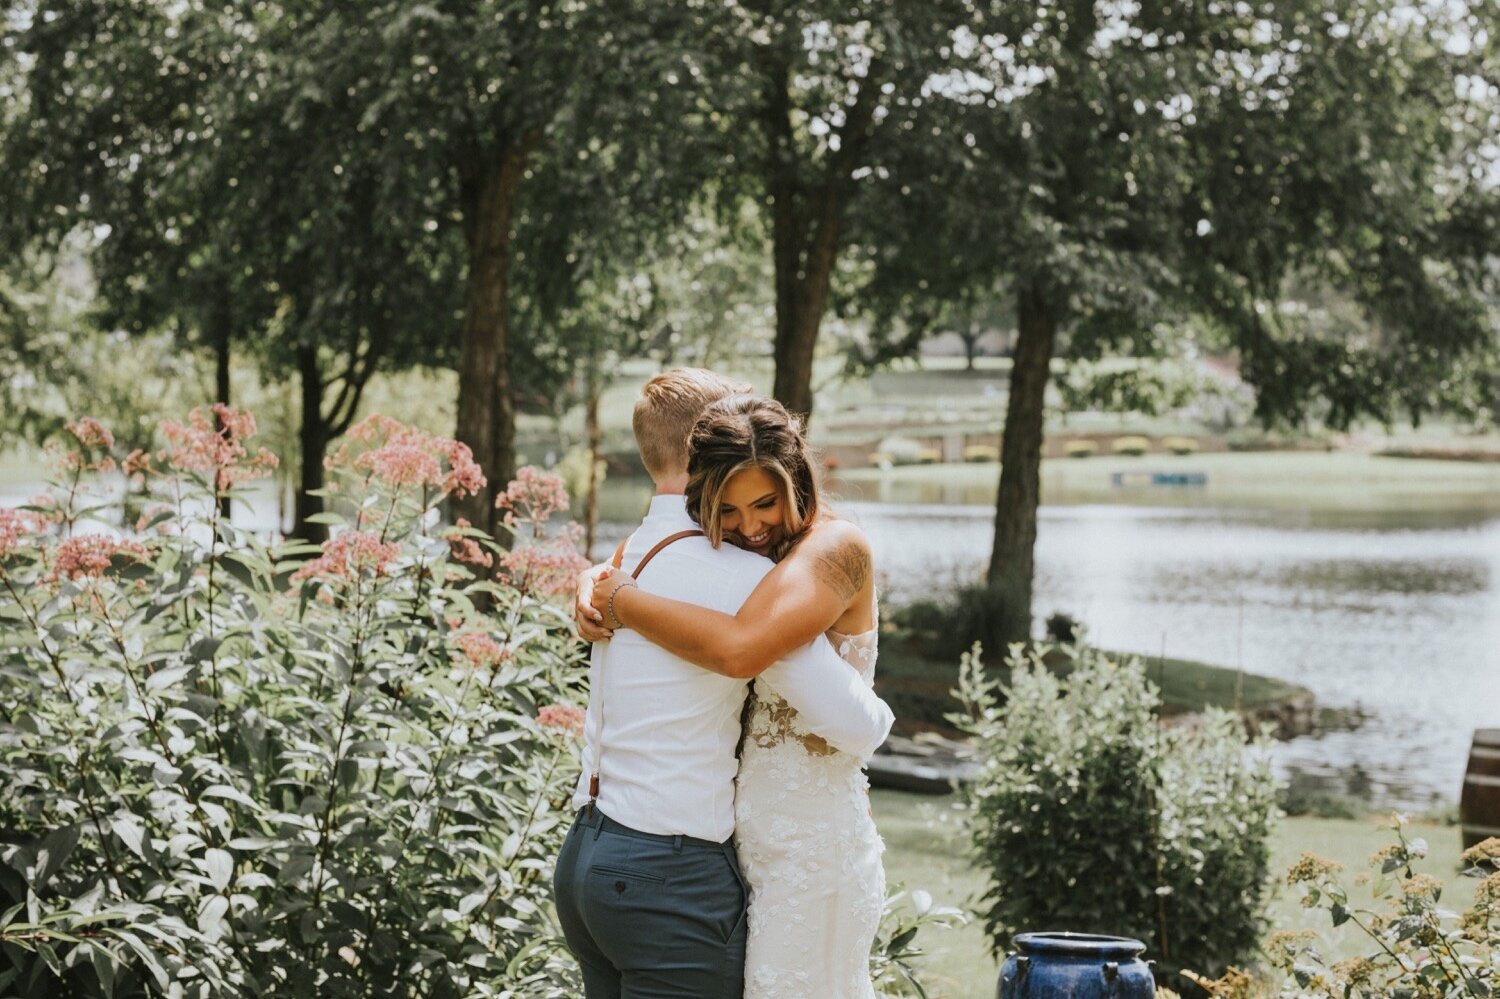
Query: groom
[648, 888]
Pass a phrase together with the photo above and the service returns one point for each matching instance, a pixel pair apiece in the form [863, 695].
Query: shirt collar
[670, 511]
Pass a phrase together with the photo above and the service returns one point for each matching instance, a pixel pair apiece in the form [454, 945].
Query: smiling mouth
[756, 540]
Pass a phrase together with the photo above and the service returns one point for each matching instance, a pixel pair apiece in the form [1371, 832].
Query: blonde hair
[670, 404]
[745, 431]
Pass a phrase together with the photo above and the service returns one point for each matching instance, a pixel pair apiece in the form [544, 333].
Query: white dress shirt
[667, 728]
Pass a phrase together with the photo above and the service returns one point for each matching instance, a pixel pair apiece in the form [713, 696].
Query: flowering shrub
[1090, 817]
[538, 562]
[230, 769]
[1418, 950]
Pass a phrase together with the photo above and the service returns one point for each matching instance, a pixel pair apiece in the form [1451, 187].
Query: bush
[1090, 817]
[1081, 448]
[947, 627]
[1301, 799]
[929, 456]
[1064, 629]
[981, 453]
[1181, 445]
[1420, 949]
[230, 768]
[1132, 445]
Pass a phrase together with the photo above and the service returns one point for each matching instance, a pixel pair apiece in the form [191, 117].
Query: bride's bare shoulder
[839, 553]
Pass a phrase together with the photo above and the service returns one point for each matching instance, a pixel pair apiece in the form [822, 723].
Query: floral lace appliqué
[809, 851]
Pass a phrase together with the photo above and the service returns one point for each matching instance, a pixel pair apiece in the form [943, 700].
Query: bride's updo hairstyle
[750, 431]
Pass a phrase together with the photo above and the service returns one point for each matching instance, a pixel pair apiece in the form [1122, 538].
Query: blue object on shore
[1075, 966]
[1121, 480]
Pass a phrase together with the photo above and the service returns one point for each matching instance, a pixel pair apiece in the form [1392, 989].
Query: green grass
[917, 687]
[23, 467]
[1339, 481]
[926, 848]
[1193, 686]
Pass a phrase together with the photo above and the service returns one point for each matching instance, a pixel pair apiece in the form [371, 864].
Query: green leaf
[219, 866]
[168, 676]
[211, 914]
[52, 853]
[146, 955]
[230, 794]
[131, 831]
[104, 968]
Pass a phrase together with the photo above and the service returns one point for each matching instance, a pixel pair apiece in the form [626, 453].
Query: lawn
[22, 468]
[1335, 482]
[918, 687]
[925, 848]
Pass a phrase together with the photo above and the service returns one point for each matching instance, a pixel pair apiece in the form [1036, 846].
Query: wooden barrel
[1479, 806]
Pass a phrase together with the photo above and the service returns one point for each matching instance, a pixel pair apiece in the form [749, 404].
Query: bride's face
[752, 510]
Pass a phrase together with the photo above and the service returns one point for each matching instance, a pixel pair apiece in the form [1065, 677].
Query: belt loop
[677, 843]
[598, 823]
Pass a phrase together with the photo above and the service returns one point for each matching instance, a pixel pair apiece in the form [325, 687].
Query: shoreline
[922, 686]
[926, 755]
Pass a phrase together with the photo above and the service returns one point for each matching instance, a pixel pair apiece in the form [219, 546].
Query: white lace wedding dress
[809, 851]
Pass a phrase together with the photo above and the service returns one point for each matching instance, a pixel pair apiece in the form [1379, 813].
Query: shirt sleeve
[832, 698]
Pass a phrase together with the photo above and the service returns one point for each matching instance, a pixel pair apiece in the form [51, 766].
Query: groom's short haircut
[670, 404]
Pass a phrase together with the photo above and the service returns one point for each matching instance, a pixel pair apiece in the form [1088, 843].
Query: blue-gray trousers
[650, 916]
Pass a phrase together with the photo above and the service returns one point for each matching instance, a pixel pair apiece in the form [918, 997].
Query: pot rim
[1068, 944]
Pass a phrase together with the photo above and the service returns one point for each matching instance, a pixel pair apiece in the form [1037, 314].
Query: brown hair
[670, 404]
[750, 431]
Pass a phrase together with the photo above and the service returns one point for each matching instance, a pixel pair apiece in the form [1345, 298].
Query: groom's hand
[588, 621]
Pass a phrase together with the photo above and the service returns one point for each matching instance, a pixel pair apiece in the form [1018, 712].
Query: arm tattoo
[845, 567]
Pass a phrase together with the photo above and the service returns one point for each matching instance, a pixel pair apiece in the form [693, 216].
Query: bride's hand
[604, 587]
[588, 621]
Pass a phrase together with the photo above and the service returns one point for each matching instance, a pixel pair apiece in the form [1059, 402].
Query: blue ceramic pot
[1075, 966]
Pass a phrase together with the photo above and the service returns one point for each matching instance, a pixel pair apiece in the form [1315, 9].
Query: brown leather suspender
[669, 539]
[599, 728]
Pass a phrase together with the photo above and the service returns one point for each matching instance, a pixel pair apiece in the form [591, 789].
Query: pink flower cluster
[89, 555]
[567, 718]
[349, 554]
[211, 444]
[482, 650]
[15, 525]
[94, 442]
[91, 433]
[151, 513]
[466, 549]
[532, 496]
[551, 567]
[399, 455]
[137, 462]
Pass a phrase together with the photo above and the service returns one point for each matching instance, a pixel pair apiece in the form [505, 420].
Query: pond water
[1396, 613]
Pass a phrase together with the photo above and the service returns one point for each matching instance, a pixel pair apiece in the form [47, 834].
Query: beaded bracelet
[614, 593]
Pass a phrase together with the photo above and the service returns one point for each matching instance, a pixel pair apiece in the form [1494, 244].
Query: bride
[807, 842]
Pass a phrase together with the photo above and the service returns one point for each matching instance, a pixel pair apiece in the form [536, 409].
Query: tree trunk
[805, 255]
[807, 223]
[313, 438]
[1012, 557]
[591, 500]
[796, 341]
[971, 345]
[222, 334]
[221, 363]
[486, 406]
